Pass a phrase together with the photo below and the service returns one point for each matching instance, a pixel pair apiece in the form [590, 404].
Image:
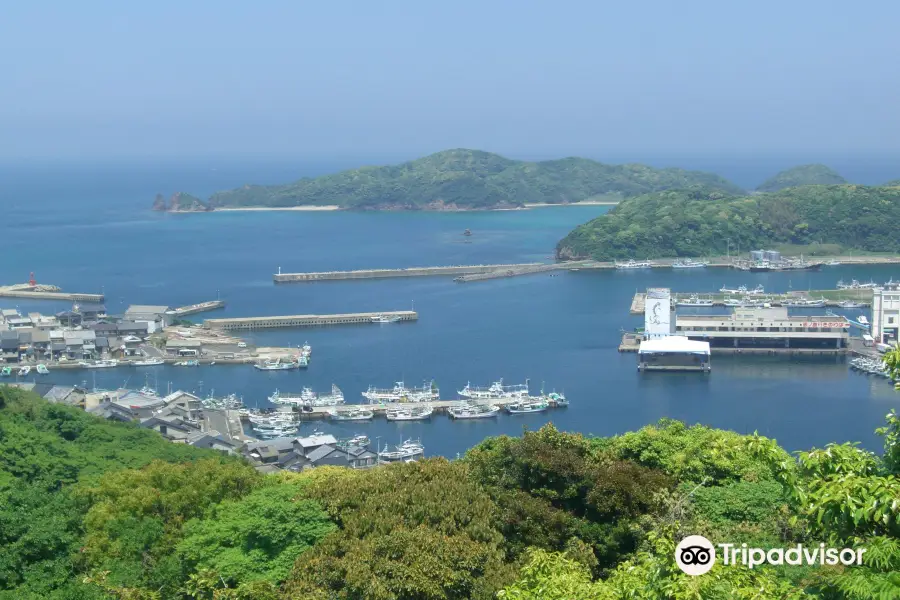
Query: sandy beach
[584, 203]
[306, 208]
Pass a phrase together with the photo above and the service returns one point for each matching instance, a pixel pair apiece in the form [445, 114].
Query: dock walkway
[306, 320]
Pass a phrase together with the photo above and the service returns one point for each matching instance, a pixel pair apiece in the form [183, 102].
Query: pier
[387, 273]
[306, 320]
[46, 292]
[198, 308]
[833, 298]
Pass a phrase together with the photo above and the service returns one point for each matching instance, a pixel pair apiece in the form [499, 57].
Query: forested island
[704, 222]
[457, 180]
[96, 510]
[802, 175]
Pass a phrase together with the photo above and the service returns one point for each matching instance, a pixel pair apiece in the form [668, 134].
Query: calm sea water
[90, 229]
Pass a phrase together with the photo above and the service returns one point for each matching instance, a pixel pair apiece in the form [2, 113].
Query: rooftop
[316, 440]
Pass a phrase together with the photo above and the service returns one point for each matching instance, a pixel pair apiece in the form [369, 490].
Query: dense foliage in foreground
[93, 510]
[705, 223]
[464, 179]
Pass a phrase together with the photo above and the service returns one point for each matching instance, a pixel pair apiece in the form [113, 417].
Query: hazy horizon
[404, 79]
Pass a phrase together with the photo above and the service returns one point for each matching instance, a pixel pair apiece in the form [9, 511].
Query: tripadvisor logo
[696, 555]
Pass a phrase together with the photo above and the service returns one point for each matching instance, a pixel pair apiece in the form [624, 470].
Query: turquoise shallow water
[90, 229]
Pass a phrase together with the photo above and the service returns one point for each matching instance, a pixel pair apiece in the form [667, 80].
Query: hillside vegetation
[801, 175]
[91, 510]
[468, 179]
[703, 222]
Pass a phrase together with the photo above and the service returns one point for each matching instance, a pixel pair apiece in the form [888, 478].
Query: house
[19, 322]
[154, 316]
[105, 329]
[9, 346]
[356, 457]
[213, 440]
[80, 344]
[185, 405]
[171, 428]
[38, 339]
[44, 322]
[305, 445]
[9, 313]
[68, 318]
[132, 328]
[102, 345]
[183, 347]
[64, 394]
[90, 311]
[57, 350]
[113, 412]
[141, 404]
[268, 451]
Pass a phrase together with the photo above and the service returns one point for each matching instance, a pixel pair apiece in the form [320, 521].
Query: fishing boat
[473, 411]
[850, 304]
[467, 232]
[862, 319]
[385, 318]
[732, 302]
[23, 371]
[148, 362]
[494, 391]
[694, 300]
[688, 263]
[307, 397]
[42, 369]
[100, 364]
[804, 303]
[556, 400]
[531, 406]
[408, 450]
[410, 414]
[187, 363]
[856, 285]
[633, 264]
[277, 365]
[400, 393]
[357, 414]
[6, 372]
[361, 441]
[833, 263]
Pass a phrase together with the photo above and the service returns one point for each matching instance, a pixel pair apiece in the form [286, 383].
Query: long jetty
[379, 410]
[306, 320]
[386, 273]
[198, 308]
[35, 293]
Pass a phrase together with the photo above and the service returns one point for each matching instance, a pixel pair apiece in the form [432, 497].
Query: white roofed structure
[674, 353]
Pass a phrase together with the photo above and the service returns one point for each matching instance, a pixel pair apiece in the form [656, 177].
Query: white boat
[473, 411]
[757, 290]
[633, 264]
[361, 441]
[385, 319]
[410, 414]
[277, 365]
[688, 263]
[23, 371]
[733, 302]
[187, 363]
[862, 319]
[42, 369]
[527, 407]
[740, 290]
[833, 263]
[850, 304]
[307, 397]
[148, 362]
[495, 390]
[856, 285]
[100, 364]
[407, 450]
[357, 414]
[805, 303]
[694, 300]
[400, 393]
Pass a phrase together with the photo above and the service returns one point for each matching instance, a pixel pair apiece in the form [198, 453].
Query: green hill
[92, 510]
[468, 179]
[802, 175]
[702, 222]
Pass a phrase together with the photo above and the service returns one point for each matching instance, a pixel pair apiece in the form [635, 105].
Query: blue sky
[402, 78]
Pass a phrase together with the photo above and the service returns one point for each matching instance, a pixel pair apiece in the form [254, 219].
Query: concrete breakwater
[37, 293]
[307, 320]
[387, 273]
[198, 308]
